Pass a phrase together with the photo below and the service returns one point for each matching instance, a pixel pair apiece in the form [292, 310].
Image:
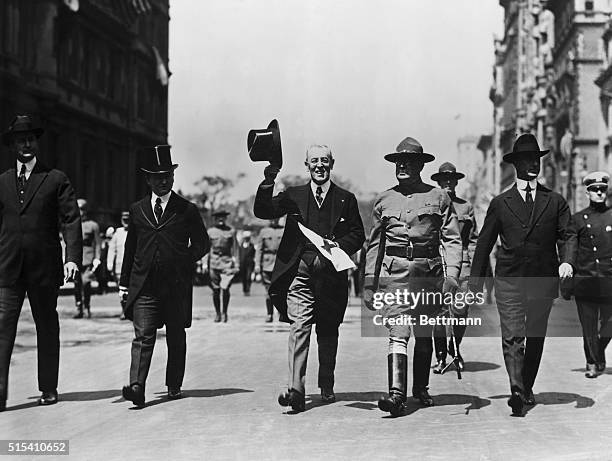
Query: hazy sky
[358, 75]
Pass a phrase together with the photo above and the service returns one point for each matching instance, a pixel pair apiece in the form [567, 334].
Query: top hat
[220, 213]
[265, 145]
[21, 124]
[597, 178]
[525, 144]
[158, 160]
[447, 171]
[409, 148]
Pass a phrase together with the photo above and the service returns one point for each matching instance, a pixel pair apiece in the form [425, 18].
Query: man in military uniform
[269, 241]
[447, 178]
[221, 261]
[92, 244]
[411, 221]
[592, 260]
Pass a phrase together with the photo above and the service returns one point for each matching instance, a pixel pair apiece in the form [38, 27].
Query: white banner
[329, 249]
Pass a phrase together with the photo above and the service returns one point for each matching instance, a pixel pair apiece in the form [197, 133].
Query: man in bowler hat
[35, 203]
[592, 261]
[305, 287]
[533, 224]
[165, 239]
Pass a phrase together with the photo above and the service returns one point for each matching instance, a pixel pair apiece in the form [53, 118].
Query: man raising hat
[592, 261]
[165, 239]
[222, 265]
[447, 178]
[531, 221]
[411, 221]
[35, 203]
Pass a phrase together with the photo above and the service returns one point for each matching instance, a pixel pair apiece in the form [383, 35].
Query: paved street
[235, 371]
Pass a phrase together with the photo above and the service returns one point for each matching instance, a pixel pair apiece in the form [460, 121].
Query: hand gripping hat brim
[409, 149]
[265, 145]
[157, 159]
[21, 124]
[447, 171]
[524, 144]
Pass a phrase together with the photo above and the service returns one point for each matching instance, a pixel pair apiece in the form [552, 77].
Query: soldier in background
[114, 259]
[592, 260]
[92, 245]
[447, 178]
[221, 262]
[246, 257]
[411, 221]
[269, 241]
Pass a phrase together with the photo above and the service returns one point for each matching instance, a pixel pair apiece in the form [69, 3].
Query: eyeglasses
[602, 189]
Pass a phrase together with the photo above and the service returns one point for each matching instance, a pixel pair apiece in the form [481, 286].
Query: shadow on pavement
[556, 398]
[196, 393]
[84, 396]
[474, 367]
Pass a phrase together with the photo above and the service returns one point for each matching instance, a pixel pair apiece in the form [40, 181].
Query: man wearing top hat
[533, 224]
[592, 261]
[222, 265]
[412, 220]
[305, 287]
[447, 178]
[36, 202]
[165, 239]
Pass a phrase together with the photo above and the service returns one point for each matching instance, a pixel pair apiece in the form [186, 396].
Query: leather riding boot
[420, 370]
[226, 299]
[217, 303]
[397, 366]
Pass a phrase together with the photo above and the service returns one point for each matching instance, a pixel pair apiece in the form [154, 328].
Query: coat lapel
[337, 203]
[170, 211]
[302, 196]
[516, 204]
[38, 175]
[540, 204]
[147, 211]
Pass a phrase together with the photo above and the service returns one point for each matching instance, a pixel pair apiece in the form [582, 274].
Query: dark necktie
[319, 196]
[21, 182]
[528, 199]
[158, 209]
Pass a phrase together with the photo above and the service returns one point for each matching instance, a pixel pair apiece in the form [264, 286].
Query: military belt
[411, 252]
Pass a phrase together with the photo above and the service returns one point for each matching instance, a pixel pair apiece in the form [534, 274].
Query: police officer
[221, 261]
[592, 256]
[447, 178]
[411, 221]
[92, 245]
[269, 241]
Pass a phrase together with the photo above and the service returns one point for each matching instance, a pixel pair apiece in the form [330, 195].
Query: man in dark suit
[34, 201]
[532, 222]
[305, 287]
[165, 239]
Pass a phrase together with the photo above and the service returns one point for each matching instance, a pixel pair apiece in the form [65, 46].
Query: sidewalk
[236, 370]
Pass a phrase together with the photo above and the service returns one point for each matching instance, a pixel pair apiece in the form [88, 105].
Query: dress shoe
[224, 318]
[516, 402]
[529, 398]
[135, 394]
[600, 367]
[437, 369]
[269, 319]
[423, 396]
[394, 404]
[48, 398]
[327, 395]
[591, 370]
[217, 318]
[292, 398]
[174, 393]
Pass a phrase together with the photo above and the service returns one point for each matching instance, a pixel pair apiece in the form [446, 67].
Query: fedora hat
[409, 148]
[524, 144]
[447, 170]
[265, 145]
[157, 159]
[21, 124]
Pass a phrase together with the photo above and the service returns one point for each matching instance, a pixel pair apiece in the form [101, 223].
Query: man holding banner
[310, 281]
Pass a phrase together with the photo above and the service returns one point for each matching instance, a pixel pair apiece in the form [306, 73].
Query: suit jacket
[331, 291]
[246, 256]
[531, 246]
[181, 239]
[30, 248]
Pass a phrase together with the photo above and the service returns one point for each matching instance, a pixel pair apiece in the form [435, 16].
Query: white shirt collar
[324, 187]
[164, 198]
[522, 184]
[29, 166]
